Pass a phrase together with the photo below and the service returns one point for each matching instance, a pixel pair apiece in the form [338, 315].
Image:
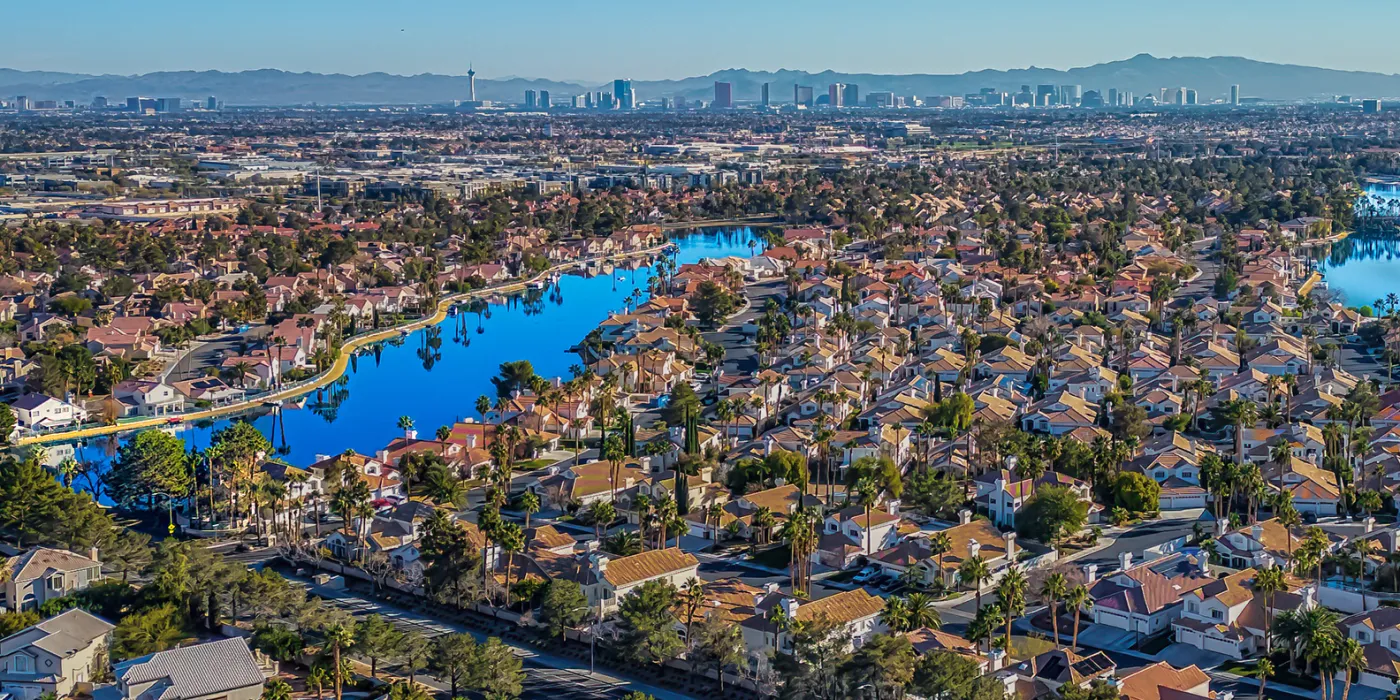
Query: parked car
[867, 575]
[893, 583]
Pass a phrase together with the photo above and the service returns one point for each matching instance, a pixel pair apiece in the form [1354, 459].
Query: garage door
[24, 692]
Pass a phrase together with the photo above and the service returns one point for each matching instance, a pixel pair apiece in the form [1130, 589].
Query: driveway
[1104, 637]
[1183, 655]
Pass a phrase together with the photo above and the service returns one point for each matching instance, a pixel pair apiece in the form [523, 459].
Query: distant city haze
[570, 41]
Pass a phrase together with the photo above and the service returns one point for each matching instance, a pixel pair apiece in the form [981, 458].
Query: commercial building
[1045, 95]
[623, 95]
[1113, 96]
[531, 99]
[724, 95]
[836, 94]
[802, 95]
[1071, 95]
[1371, 106]
[851, 95]
[764, 94]
[1190, 97]
[168, 104]
[879, 100]
[543, 102]
[1235, 95]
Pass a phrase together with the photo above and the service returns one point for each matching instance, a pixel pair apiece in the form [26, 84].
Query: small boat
[622, 277]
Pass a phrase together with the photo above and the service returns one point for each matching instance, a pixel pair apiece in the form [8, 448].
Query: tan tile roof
[844, 607]
[647, 565]
[1148, 682]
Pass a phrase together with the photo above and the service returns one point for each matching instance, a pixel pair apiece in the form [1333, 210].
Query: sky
[656, 39]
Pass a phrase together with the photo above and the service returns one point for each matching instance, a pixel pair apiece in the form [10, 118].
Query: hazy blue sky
[566, 39]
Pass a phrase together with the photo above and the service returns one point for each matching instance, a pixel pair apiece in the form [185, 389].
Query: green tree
[646, 625]
[17, 620]
[885, 663]
[377, 639]
[453, 658]
[952, 676]
[148, 632]
[1136, 492]
[151, 462]
[717, 644]
[496, 672]
[564, 606]
[277, 689]
[1051, 513]
[7, 423]
[712, 303]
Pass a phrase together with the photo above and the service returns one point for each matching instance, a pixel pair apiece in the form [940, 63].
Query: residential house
[222, 670]
[42, 574]
[60, 656]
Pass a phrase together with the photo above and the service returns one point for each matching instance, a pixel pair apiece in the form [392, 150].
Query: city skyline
[352, 37]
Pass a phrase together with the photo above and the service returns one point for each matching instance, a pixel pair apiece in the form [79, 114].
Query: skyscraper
[622, 93]
[836, 94]
[724, 95]
[1190, 96]
[802, 95]
[1045, 95]
[531, 99]
[764, 98]
[471, 83]
[212, 103]
[543, 102]
[1113, 97]
[1070, 95]
[851, 96]
[1234, 95]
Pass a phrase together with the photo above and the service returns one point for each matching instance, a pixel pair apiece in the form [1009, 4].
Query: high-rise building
[471, 83]
[851, 95]
[168, 104]
[544, 102]
[1371, 106]
[1092, 99]
[879, 100]
[836, 94]
[212, 103]
[1235, 95]
[1113, 97]
[802, 95]
[724, 95]
[623, 94]
[99, 102]
[1045, 95]
[1190, 97]
[1070, 95]
[531, 99]
[22, 103]
[764, 95]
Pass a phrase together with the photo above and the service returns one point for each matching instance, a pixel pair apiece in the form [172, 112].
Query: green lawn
[1282, 673]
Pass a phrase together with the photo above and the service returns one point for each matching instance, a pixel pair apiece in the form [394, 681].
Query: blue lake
[1365, 267]
[439, 387]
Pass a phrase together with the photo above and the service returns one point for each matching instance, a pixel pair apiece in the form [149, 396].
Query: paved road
[546, 676]
[739, 355]
[207, 354]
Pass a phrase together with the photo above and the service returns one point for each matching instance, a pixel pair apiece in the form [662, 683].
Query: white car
[867, 574]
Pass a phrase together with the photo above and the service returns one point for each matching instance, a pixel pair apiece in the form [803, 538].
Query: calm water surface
[435, 375]
[1364, 267]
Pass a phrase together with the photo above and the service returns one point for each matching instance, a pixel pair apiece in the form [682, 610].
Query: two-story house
[39, 412]
[856, 612]
[222, 670]
[1147, 597]
[62, 656]
[43, 574]
[850, 533]
[1226, 616]
[606, 580]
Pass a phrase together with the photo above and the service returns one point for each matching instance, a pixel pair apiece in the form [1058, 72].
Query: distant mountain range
[1142, 74]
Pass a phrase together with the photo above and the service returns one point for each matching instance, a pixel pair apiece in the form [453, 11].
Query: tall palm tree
[1267, 583]
[339, 637]
[1078, 599]
[922, 612]
[1011, 595]
[939, 544]
[974, 572]
[867, 494]
[1263, 671]
[895, 615]
[1350, 657]
[1051, 593]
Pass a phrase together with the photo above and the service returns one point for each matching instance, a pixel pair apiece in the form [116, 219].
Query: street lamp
[169, 510]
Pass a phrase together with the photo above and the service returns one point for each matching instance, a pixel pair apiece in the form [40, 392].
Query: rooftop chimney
[1125, 561]
[964, 516]
[1370, 524]
[973, 548]
[1010, 547]
[1203, 560]
[1091, 573]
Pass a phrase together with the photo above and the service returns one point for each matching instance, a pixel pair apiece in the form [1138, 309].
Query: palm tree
[405, 423]
[1263, 672]
[529, 504]
[602, 514]
[922, 612]
[339, 637]
[867, 494]
[713, 515]
[1051, 593]
[1011, 594]
[483, 407]
[974, 572]
[1078, 599]
[939, 544]
[1351, 658]
[896, 614]
[1241, 414]
[693, 596]
[318, 678]
[1267, 583]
